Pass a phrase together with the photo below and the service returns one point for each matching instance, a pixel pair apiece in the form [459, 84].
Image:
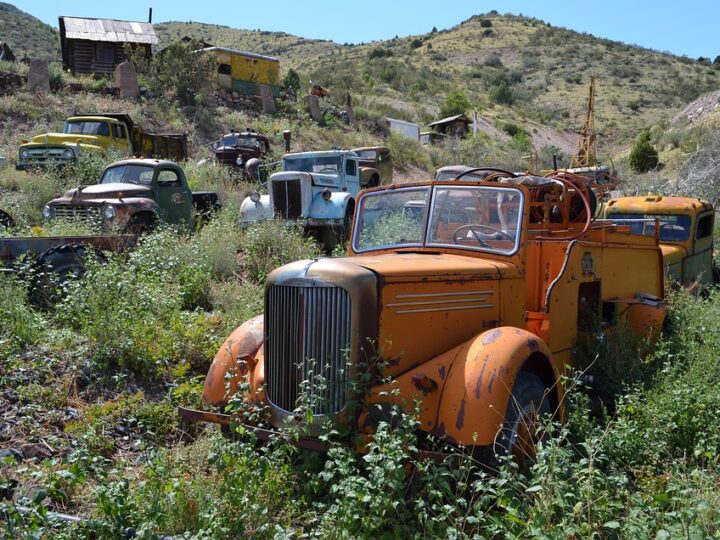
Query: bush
[494, 61]
[643, 156]
[379, 52]
[291, 79]
[502, 94]
[486, 23]
[182, 75]
[455, 103]
[416, 43]
[269, 245]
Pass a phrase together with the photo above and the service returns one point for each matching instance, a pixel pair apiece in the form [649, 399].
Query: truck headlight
[326, 194]
[109, 213]
[239, 161]
[68, 153]
[47, 212]
[23, 153]
[255, 197]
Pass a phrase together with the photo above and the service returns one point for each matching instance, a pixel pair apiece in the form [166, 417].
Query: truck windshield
[463, 217]
[87, 128]
[313, 164]
[132, 174]
[673, 228]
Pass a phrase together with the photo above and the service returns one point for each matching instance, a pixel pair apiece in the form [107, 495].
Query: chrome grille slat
[287, 198]
[88, 214]
[308, 339]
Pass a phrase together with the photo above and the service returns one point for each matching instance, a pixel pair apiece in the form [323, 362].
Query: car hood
[318, 179]
[63, 138]
[105, 191]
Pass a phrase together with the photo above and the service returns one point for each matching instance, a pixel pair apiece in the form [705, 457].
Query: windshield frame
[425, 243]
[628, 218]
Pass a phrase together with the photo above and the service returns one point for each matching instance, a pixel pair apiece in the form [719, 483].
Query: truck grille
[86, 214]
[287, 198]
[307, 347]
[50, 153]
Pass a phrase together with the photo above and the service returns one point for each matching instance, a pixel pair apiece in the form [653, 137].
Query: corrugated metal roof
[456, 118]
[109, 30]
[241, 53]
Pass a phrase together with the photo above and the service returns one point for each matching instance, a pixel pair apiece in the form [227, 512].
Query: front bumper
[192, 415]
[304, 222]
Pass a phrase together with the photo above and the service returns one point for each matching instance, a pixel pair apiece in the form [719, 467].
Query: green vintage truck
[134, 196]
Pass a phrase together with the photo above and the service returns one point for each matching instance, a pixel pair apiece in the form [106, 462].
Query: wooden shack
[452, 126]
[97, 46]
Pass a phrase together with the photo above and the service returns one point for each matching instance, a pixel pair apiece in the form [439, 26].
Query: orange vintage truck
[685, 227]
[468, 296]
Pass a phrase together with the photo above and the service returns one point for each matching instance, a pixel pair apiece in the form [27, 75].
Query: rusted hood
[673, 254]
[105, 191]
[425, 265]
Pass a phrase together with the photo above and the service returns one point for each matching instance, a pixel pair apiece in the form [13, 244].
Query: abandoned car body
[237, 148]
[317, 190]
[134, 196]
[464, 295]
[685, 228]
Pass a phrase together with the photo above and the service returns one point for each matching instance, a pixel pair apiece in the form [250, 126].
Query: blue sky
[682, 27]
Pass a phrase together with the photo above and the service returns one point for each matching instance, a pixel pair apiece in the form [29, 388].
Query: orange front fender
[480, 381]
[245, 340]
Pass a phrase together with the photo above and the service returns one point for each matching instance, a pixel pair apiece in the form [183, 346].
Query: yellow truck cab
[467, 296]
[684, 227]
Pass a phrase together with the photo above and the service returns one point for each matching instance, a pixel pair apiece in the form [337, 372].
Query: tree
[700, 174]
[291, 80]
[455, 103]
[503, 94]
[643, 156]
[183, 75]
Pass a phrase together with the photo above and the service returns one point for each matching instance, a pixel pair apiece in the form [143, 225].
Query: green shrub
[270, 244]
[20, 325]
[502, 94]
[455, 103]
[643, 156]
[291, 79]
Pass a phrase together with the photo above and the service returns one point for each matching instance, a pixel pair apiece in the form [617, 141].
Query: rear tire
[6, 220]
[56, 266]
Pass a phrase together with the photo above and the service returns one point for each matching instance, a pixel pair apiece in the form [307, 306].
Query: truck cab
[465, 296]
[685, 229]
[133, 196]
[315, 190]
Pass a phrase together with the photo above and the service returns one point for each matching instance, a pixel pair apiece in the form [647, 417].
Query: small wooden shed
[97, 45]
[452, 126]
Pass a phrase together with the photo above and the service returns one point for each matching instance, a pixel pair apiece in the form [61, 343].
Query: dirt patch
[700, 109]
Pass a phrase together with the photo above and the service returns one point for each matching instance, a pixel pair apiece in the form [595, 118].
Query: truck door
[173, 197]
[698, 265]
[352, 176]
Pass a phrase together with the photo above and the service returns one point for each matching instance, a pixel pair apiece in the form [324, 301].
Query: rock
[71, 414]
[38, 451]
[313, 104]
[11, 452]
[38, 76]
[126, 80]
[268, 100]
[10, 395]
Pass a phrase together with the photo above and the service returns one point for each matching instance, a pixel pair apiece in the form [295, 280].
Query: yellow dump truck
[99, 133]
[684, 227]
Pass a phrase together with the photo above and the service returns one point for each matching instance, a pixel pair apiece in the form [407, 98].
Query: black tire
[56, 266]
[518, 435]
[141, 224]
[6, 220]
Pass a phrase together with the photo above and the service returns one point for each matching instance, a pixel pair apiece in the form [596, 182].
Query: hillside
[27, 35]
[546, 69]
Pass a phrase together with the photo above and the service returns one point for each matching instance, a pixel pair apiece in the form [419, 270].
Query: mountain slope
[27, 35]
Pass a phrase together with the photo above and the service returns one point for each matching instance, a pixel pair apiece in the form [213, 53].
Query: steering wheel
[472, 228]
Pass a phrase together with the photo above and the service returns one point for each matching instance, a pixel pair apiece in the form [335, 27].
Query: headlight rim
[47, 211]
[109, 212]
[255, 197]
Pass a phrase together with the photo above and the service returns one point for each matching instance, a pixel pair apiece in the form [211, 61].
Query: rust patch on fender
[478, 383]
[491, 337]
[460, 422]
[533, 345]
